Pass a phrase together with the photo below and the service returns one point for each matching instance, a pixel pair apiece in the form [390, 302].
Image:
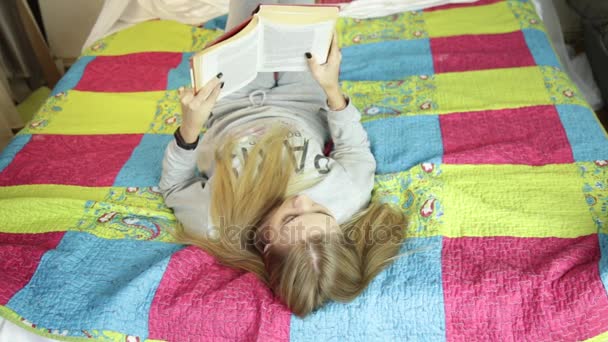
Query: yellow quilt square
[494, 18]
[155, 35]
[54, 191]
[509, 200]
[39, 215]
[490, 89]
[148, 197]
[599, 338]
[80, 112]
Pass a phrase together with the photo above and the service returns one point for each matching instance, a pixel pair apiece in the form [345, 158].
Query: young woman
[268, 200]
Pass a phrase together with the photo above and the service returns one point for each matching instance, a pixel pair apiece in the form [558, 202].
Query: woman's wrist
[188, 134]
[335, 99]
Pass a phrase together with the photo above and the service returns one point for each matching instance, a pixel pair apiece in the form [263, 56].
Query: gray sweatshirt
[347, 175]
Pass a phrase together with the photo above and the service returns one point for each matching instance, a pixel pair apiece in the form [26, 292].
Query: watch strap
[181, 143]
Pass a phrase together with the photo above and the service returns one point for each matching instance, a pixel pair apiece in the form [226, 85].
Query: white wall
[68, 23]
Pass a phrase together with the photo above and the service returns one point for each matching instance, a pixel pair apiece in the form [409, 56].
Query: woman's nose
[302, 202]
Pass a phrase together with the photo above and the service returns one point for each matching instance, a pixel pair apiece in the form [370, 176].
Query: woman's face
[296, 219]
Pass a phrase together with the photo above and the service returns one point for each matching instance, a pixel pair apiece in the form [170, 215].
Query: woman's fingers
[334, 55]
[208, 88]
[215, 93]
[210, 99]
[186, 95]
[206, 91]
[327, 75]
[312, 63]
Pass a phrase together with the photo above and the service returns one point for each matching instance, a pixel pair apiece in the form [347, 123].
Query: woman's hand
[327, 75]
[197, 108]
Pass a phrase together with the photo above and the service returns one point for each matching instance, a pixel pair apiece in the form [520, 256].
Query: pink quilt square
[19, 257]
[85, 160]
[224, 304]
[480, 52]
[527, 135]
[523, 289]
[146, 71]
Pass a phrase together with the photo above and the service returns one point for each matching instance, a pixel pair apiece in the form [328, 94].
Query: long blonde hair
[337, 266]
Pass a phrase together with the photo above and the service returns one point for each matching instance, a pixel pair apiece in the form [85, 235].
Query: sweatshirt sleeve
[183, 190]
[179, 169]
[351, 146]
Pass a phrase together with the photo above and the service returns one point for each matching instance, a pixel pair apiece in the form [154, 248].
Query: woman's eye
[288, 219]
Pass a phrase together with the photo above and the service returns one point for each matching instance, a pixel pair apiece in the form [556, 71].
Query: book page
[283, 46]
[238, 62]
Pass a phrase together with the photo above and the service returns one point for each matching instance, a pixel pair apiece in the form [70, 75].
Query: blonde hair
[336, 266]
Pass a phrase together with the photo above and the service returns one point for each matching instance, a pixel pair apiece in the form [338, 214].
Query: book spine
[192, 77]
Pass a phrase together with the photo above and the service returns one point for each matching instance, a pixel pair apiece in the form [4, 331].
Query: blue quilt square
[180, 76]
[73, 76]
[588, 139]
[402, 142]
[11, 150]
[93, 283]
[217, 23]
[541, 49]
[389, 60]
[144, 167]
[403, 303]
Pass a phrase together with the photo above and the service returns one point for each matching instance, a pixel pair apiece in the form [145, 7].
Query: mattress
[479, 136]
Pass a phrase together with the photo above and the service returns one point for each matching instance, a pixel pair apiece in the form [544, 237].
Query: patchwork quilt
[479, 135]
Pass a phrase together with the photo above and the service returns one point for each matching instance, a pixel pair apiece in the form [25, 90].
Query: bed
[479, 135]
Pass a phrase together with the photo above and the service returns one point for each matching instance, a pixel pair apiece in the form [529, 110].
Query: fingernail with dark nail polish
[220, 75]
[308, 55]
[222, 85]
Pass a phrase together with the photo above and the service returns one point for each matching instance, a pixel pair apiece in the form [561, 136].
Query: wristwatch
[181, 143]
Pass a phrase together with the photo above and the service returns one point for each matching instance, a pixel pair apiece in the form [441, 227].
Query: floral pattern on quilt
[201, 37]
[417, 193]
[381, 99]
[51, 107]
[408, 25]
[560, 88]
[525, 13]
[595, 175]
[106, 335]
[113, 221]
[144, 197]
[167, 116]
[99, 46]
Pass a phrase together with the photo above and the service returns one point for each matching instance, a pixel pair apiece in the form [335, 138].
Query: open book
[273, 39]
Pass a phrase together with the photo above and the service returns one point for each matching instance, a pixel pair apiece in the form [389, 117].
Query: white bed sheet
[10, 332]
